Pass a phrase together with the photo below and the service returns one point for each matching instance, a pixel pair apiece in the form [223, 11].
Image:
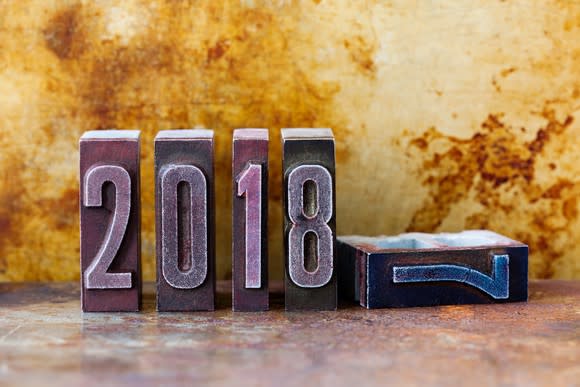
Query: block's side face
[171, 151]
[250, 209]
[518, 273]
[447, 277]
[107, 295]
[347, 273]
[296, 153]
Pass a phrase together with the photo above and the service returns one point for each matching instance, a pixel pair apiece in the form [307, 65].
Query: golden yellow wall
[448, 115]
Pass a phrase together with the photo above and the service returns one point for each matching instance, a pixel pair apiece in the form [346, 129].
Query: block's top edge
[307, 133]
[422, 241]
[251, 134]
[111, 134]
[185, 134]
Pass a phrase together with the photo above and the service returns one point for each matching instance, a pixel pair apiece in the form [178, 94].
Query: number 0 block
[110, 221]
[416, 269]
[309, 219]
[250, 220]
[184, 215]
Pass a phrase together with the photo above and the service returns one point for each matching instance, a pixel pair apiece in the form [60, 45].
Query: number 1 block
[184, 216]
[417, 269]
[308, 168]
[110, 221]
[250, 220]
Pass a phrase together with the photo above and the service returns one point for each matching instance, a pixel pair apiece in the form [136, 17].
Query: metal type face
[96, 275]
[249, 184]
[496, 285]
[310, 206]
[193, 271]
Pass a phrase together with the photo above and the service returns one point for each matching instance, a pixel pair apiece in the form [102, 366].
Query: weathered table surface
[45, 339]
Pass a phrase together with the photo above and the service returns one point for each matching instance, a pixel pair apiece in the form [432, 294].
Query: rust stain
[361, 53]
[494, 165]
[63, 33]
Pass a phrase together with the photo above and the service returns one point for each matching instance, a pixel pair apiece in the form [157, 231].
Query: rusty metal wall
[448, 115]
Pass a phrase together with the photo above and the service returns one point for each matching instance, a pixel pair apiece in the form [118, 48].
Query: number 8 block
[309, 219]
[110, 221]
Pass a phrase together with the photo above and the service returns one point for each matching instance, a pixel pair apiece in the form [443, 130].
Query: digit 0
[195, 225]
[310, 240]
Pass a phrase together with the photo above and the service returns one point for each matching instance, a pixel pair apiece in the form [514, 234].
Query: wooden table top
[45, 339]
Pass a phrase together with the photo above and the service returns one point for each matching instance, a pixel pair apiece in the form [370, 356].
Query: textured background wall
[448, 115]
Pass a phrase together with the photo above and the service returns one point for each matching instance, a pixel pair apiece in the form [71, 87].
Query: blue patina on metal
[497, 286]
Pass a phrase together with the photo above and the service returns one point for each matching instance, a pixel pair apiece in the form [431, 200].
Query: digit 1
[309, 219]
[250, 220]
[184, 205]
[110, 221]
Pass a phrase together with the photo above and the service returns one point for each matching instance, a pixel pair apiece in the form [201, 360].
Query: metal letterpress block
[309, 219]
[416, 269]
[184, 219]
[110, 221]
[250, 220]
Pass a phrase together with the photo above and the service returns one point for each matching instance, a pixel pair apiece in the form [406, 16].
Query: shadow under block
[416, 269]
[185, 220]
[308, 169]
[110, 221]
[250, 220]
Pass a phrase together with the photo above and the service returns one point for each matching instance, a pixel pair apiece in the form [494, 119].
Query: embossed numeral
[310, 209]
[96, 275]
[249, 184]
[171, 178]
[497, 286]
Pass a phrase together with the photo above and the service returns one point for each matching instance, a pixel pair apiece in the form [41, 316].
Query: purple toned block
[110, 221]
[416, 269]
[308, 168]
[185, 221]
[250, 220]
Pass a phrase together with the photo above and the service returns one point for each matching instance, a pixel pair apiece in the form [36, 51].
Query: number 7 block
[308, 166]
[110, 221]
[417, 269]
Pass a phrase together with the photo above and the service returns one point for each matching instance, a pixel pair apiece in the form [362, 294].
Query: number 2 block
[309, 219]
[110, 221]
[250, 220]
[417, 269]
[184, 215]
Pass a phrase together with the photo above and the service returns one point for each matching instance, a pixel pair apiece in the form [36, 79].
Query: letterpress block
[110, 221]
[309, 219]
[250, 220]
[185, 221]
[416, 269]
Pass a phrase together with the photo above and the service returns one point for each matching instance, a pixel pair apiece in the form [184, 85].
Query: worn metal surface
[185, 220]
[308, 170]
[250, 220]
[45, 340]
[418, 269]
[110, 221]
